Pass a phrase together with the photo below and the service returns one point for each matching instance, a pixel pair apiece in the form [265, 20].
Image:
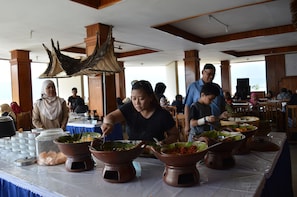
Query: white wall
[171, 89]
[66, 85]
[291, 64]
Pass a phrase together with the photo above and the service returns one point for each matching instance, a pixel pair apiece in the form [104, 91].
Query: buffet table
[81, 126]
[254, 174]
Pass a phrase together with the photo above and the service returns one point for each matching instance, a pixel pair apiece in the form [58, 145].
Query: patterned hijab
[51, 106]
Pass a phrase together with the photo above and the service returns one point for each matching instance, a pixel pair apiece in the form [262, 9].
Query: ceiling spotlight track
[210, 17]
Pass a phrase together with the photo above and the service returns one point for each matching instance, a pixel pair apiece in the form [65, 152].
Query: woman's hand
[106, 128]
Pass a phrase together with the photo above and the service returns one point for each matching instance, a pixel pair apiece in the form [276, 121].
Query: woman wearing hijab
[50, 111]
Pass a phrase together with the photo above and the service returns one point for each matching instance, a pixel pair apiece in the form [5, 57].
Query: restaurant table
[255, 174]
[81, 126]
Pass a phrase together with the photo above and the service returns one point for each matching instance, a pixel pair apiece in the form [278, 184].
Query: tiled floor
[293, 151]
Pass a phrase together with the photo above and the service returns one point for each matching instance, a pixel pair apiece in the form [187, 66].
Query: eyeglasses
[209, 73]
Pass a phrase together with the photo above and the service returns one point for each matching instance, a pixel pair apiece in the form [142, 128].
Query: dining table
[259, 173]
[79, 125]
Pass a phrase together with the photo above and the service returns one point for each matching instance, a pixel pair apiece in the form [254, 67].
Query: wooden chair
[241, 109]
[270, 112]
[24, 121]
[180, 124]
[291, 121]
[172, 110]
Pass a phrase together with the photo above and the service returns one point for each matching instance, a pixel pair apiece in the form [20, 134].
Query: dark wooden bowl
[116, 157]
[179, 160]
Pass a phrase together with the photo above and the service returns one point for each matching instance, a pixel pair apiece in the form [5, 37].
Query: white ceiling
[25, 25]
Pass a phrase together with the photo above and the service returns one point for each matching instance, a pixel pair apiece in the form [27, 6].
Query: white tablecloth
[247, 178]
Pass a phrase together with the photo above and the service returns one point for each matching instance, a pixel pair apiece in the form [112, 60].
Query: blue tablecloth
[280, 182]
[9, 189]
[117, 133]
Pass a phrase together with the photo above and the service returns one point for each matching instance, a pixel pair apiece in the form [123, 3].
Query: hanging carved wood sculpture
[101, 60]
[54, 66]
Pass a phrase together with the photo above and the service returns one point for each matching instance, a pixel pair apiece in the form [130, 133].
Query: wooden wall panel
[225, 74]
[275, 71]
[290, 83]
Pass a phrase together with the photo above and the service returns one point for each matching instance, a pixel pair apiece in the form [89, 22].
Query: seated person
[293, 101]
[254, 99]
[119, 102]
[269, 95]
[178, 103]
[283, 95]
[15, 107]
[81, 107]
[228, 101]
[6, 110]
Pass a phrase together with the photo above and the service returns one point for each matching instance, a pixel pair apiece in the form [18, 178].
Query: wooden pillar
[21, 83]
[192, 67]
[275, 71]
[120, 83]
[225, 75]
[96, 84]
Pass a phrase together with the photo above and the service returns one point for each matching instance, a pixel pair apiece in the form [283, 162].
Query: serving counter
[254, 174]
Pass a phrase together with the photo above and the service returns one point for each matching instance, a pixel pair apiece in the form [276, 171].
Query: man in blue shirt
[193, 94]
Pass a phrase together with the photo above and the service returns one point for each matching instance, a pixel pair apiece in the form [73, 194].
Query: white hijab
[50, 107]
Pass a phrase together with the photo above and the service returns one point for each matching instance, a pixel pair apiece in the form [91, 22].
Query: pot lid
[5, 118]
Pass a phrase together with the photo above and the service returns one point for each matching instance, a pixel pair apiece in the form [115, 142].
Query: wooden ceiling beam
[277, 50]
[135, 52]
[250, 34]
[75, 50]
[180, 33]
[97, 4]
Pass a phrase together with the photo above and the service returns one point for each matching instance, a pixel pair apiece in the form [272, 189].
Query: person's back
[159, 92]
[80, 106]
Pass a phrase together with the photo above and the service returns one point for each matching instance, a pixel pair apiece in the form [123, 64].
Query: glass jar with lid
[47, 151]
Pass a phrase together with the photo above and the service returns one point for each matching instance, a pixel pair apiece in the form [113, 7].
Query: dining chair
[172, 110]
[24, 121]
[243, 109]
[291, 122]
[270, 112]
[180, 124]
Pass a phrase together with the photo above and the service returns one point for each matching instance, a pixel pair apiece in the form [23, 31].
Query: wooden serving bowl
[118, 167]
[179, 166]
[221, 156]
[78, 156]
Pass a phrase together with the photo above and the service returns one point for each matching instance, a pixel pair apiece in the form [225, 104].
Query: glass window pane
[5, 81]
[255, 71]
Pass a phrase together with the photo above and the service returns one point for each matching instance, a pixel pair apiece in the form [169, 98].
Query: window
[255, 71]
[5, 81]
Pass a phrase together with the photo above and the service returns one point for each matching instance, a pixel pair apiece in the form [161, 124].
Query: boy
[200, 117]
